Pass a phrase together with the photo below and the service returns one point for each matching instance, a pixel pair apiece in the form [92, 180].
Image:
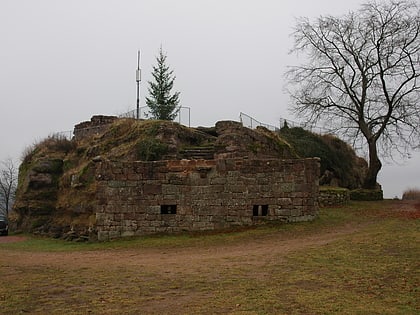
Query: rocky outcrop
[37, 195]
[234, 140]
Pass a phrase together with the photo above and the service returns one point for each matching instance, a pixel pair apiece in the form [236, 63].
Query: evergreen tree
[162, 104]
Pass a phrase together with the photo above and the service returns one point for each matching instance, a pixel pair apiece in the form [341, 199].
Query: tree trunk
[375, 166]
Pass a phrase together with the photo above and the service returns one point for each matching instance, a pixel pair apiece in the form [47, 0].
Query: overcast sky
[63, 61]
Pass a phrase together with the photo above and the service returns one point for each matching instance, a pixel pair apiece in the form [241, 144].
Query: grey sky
[63, 61]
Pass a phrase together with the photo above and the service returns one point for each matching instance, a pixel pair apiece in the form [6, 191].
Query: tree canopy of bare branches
[8, 185]
[361, 77]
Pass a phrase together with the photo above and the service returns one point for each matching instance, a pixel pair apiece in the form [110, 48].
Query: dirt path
[11, 239]
[163, 280]
[276, 245]
[187, 276]
[272, 247]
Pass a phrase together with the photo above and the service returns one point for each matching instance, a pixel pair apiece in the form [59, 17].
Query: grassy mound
[339, 164]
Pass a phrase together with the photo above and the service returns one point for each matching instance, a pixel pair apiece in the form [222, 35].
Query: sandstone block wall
[139, 198]
[333, 197]
[96, 125]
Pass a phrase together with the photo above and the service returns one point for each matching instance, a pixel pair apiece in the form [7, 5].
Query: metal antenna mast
[138, 79]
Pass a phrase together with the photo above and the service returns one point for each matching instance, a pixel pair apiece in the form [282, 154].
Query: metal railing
[183, 116]
[68, 134]
[250, 122]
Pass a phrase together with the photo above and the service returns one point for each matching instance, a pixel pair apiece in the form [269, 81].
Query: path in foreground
[279, 271]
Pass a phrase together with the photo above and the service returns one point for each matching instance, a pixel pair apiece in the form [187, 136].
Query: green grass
[372, 273]
[372, 268]
[328, 218]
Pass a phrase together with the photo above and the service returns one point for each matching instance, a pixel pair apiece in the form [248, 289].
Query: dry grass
[53, 143]
[411, 194]
[353, 260]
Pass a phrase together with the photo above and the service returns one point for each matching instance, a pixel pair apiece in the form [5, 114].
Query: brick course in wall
[333, 197]
[95, 126]
[140, 198]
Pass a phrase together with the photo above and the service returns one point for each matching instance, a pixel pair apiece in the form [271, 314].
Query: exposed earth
[205, 262]
[11, 239]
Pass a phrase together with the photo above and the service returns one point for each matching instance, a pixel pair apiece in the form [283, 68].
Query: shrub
[58, 142]
[28, 153]
[411, 194]
[151, 149]
[366, 194]
[337, 157]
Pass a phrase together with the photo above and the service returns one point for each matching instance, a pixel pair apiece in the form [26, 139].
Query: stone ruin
[95, 126]
[242, 179]
[138, 198]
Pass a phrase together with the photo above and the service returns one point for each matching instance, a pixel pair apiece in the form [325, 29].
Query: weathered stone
[152, 189]
[39, 180]
[246, 170]
[96, 125]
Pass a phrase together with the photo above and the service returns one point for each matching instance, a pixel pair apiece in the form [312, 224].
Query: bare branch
[8, 185]
[362, 73]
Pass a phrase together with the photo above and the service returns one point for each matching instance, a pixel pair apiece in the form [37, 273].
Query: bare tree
[8, 184]
[361, 77]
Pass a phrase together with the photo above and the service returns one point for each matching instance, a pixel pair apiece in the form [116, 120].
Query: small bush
[151, 149]
[87, 174]
[366, 194]
[411, 194]
[28, 153]
[58, 142]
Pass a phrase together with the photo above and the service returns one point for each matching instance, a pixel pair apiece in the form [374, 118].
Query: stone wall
[96, 125]
[333, 196]
[139, 198]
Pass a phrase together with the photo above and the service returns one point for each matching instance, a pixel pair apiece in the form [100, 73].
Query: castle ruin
[216, 178]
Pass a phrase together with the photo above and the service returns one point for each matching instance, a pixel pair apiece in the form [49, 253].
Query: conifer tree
[162, 104]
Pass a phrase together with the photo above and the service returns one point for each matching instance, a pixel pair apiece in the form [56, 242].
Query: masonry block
[224, 197]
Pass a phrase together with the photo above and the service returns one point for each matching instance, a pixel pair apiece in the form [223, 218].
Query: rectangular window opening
[260, 210]
[255, 210]
[264, 210]
[168, 209]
